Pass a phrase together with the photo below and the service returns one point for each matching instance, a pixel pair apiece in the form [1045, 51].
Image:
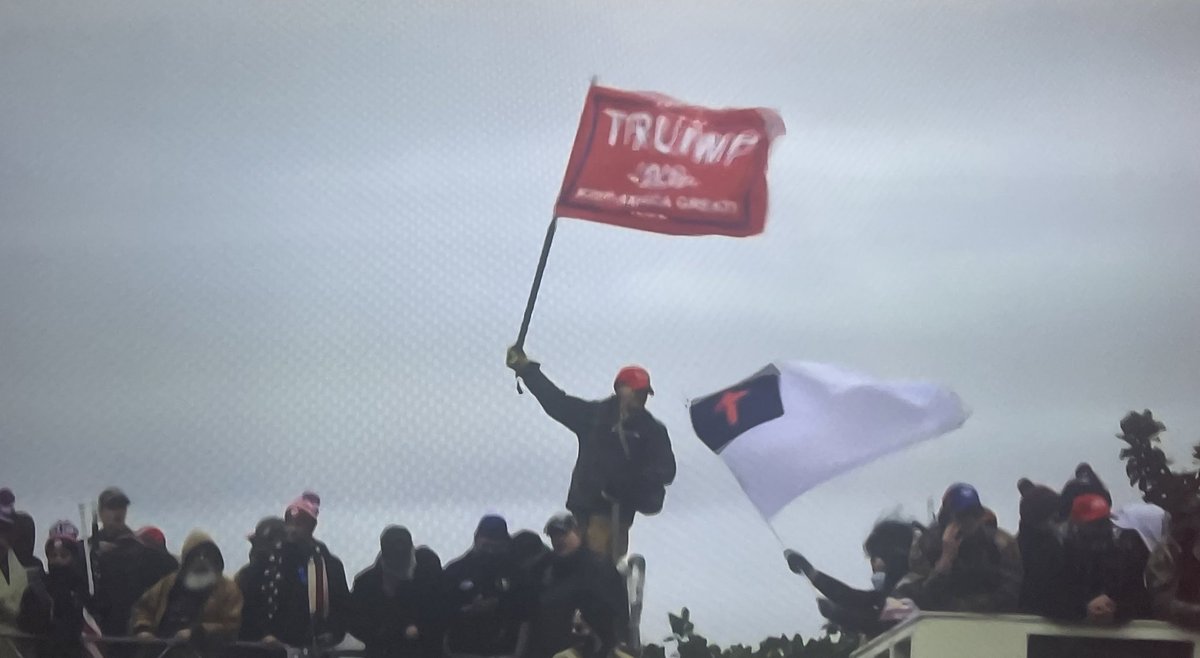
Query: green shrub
[693, 645]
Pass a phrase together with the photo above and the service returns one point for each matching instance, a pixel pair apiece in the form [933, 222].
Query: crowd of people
[1074, 559]
[508, 596]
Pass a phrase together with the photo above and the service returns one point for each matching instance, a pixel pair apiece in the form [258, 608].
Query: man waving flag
[797, 424]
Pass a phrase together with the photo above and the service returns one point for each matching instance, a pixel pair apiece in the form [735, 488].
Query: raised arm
[571, 411]
[831, 588]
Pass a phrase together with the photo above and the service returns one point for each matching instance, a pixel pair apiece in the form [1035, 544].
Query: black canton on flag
[721, 417]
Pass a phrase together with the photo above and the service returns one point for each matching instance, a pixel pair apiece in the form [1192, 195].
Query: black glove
[798, 563]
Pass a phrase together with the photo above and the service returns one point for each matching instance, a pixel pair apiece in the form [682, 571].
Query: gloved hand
[516, 359]
[798, 563]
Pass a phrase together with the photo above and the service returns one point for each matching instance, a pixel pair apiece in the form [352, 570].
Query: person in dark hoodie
[123, 568]
[1102, 580]
[486, 598]
[197, 605]
[392, 601]
[529, 550]
[567, 578]
[855, 610]
[1039, 538]
[1085, 482]
[305, 603]
[66, 584]
[964, 562]
[625, 460]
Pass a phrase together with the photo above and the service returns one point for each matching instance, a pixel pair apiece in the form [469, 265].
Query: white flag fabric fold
[796, 424]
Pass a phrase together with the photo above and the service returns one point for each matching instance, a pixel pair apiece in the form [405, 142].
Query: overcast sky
[249, 247]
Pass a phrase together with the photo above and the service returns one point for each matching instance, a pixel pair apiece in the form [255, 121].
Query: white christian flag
[797, 424]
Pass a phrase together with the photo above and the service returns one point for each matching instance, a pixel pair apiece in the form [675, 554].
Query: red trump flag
[649, 162]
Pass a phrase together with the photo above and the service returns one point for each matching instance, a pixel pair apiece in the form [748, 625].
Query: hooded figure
[1085, 482]
[392, 602]
[1103, 571]
[1040, 540]
[963, 563]
[197, 604]
[854, 610]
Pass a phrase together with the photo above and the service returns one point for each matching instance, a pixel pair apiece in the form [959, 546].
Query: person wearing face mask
[625, 460]
[66, 584]
[855, 610]
[964, 562]
[485, 597]
[392, 614]
[572, 574]
[198, 604]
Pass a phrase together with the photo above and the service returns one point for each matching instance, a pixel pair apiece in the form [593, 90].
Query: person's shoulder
[458, 565]
[1003, 538]
[368, 575]
[227, 587]
[653, 424]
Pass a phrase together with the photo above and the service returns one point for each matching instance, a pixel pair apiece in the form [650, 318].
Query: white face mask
[877, 580]
[199, 580]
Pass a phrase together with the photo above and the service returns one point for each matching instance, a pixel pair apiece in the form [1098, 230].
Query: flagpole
[537, 282]
[87, 550]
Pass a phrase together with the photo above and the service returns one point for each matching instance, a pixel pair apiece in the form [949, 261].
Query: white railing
[958, 635]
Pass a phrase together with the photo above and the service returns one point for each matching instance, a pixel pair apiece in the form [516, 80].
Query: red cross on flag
[797, 424]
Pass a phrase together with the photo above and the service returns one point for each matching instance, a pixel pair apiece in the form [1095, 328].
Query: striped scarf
[318, 587]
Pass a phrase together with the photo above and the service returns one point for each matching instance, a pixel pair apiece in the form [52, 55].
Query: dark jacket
[1042, 563]
[380, 620]
[852, 610]
[68, 591]
[565, 584]
[124, 572]
[276, 597]
[1112, 563]
[486, 602]
[985, 576]
[637, 479]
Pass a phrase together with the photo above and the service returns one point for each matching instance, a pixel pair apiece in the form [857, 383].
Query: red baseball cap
[1088, 508]
[635, 377]
[152, 535]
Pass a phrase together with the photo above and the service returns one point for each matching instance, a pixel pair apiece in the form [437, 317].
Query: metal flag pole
[87, 552]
